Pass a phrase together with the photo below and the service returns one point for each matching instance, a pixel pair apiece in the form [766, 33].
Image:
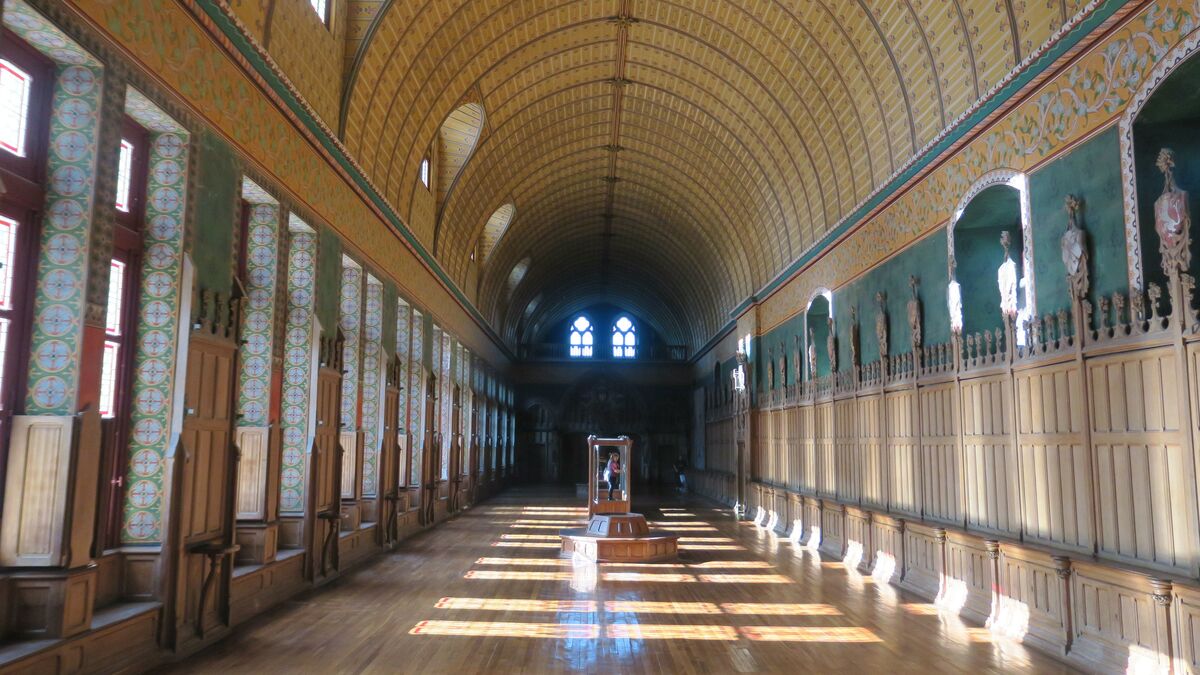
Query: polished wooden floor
[488, 593]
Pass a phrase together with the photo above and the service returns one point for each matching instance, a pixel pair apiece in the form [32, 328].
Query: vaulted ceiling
[667, 156]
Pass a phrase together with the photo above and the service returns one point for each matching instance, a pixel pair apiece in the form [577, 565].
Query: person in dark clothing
[680, 477]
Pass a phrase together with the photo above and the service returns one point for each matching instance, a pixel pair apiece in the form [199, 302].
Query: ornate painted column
[258, 486]
[299, 377]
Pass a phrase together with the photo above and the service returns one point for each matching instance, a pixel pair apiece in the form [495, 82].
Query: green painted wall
[817, 315]
[979, 255]
[1167, 120]
[216, 213]
[1091, 172]
[781, 340]
[925, 260]
[329, 279]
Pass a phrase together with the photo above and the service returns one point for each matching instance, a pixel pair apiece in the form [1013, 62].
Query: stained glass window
[582, 340]
[624, 339]
[15, 86]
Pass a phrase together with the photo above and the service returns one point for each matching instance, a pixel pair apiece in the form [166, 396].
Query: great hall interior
[637, 336]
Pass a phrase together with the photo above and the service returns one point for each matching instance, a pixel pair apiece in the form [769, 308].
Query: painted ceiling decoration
[671, 157]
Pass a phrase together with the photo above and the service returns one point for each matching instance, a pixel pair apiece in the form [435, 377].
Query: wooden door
[205, 517]
[432, 455]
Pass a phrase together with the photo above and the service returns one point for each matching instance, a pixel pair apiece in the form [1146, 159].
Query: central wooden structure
[613, 533]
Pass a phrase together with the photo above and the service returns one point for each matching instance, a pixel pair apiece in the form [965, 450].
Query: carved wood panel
[1055, 469]
[826, 460]
[1146, 487]
[992, 495]
[207, 434]
[808, 450]
[848, 463]
[869, 427]
[940, 465]
[329, 393]
[903, 455]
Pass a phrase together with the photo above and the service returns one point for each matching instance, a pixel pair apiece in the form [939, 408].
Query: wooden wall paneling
[50, 490]
[795, 516]
[758, 438]
[859, 549]
[1146, 473]
[847, 451]
[992, 494]
[826, 451]
[325, 511]
[1115, 620]
[941, 463]
[808, 449]
[778, 446]
[1055, 464]
[208, 477]
[796, 433]
[252, 443]
[833, 529]
[887, 544]
[903, 451]
[391, 466]
[869, 426]
[1185, 624]
[968, 579]
[923, 562]
[1032, 598]
[812, 522]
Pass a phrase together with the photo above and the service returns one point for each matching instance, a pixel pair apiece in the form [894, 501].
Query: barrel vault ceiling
[666, 156]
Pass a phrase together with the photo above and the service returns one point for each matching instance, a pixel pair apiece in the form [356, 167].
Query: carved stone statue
[812, 355]
[783, 367]
[1074, 251]
[1172, 219]
[954, 301]
[1006, 278]
[914, 314]
[853, 337]
[831, 346]
[770, 369]
[798, 363]
[881, 326]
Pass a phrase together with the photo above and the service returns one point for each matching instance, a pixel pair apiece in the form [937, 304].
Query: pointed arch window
[582, 340]
[425, 172]
[624, 338]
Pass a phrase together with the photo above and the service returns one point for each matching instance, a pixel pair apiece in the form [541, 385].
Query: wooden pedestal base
[619, 537]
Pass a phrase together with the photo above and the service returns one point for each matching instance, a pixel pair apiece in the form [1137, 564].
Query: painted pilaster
[372, 385]
[159, 323]
[297, 374]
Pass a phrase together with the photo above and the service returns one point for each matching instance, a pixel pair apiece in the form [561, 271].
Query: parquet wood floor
[488, 593]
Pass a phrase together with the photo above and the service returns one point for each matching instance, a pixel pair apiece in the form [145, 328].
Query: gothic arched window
[624, 339]
[582, 339]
